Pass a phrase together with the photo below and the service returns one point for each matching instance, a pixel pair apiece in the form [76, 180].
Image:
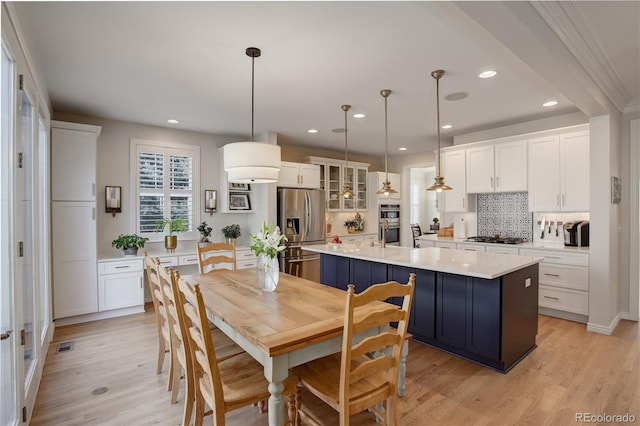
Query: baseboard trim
[597, 328]
[562, 314]
[98, 316]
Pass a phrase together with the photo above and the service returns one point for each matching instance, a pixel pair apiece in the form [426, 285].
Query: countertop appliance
[576, 233]
[301, 217]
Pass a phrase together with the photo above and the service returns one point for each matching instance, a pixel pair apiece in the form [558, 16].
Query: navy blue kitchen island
[480, 306]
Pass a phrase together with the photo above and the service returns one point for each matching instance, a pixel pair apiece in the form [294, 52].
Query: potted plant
[351, 225]
[174, 225]
[205, 232]
[435, 225]
[231, 232]
[129, 243]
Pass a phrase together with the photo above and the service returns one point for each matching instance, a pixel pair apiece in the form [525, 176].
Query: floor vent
[64, 347]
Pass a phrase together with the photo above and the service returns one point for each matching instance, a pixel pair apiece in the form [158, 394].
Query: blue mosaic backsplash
[505, 213]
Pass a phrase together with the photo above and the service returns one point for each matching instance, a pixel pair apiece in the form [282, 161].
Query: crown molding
[568, 23]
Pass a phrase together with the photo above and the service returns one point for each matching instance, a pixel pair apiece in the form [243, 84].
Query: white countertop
[156, 250]
[540, 245]
[460, 262]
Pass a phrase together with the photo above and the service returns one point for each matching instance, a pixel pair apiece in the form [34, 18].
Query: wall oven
[391, 212]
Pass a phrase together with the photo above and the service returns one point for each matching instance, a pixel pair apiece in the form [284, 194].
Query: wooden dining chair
[164, 334]
[353, 380]
[227, 348]
[229, 384]
[210, 255]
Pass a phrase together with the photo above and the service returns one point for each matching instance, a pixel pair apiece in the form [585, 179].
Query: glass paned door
[334, 186]
[8, 376]
[361, 191]
[25, 213]
[349, 179]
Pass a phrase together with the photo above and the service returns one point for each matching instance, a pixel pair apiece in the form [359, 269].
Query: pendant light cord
[386, 140]
[253, 60]
[438, 118]
[346, 144]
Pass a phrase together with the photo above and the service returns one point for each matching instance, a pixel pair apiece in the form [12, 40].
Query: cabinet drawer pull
[550, 257]
[122, 267]
[552, 275]
[166, 261]
[552, 298]
[193, 259]
[469, 249]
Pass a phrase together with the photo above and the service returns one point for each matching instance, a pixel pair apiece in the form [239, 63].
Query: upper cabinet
[73, 152]
[454, 171]
[299, 175]
[497, 168]
[559, 172]
[376, 179]
[334, 175]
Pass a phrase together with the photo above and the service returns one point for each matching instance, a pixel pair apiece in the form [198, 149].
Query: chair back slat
[371, 367]
[391, 314]
[382, 291]
[209, 255]
[374, 343]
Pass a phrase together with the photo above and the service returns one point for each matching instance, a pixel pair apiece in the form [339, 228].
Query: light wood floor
[572, 371]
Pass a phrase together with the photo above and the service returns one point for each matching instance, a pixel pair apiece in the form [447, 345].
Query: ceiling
[146, 62]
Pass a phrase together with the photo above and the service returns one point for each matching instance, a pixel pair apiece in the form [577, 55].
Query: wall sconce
[210, 198]
[113, 199]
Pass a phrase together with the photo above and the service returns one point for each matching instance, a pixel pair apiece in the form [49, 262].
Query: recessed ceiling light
[488, 74]
[173, 121]
[447, 126]
[402, 148]
[312, 131]
[359, 115]
[456, 96]
[550, 103]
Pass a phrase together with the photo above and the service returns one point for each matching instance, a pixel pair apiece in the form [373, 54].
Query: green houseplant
[231, 232]
[435, 225]
[205, 232]
[175, 225]
[129, 243]
[351, 225]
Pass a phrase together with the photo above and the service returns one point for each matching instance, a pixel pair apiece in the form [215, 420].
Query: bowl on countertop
[335, 246]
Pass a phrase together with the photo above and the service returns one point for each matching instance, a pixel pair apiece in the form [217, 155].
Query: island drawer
[567, 276]
[579, 259]
[188, 259]
[500, 248]
[470, 247]
[564, 299]
[168, 260]
[119, 266]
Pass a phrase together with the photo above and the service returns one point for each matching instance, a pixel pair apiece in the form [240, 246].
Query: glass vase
[268, 272]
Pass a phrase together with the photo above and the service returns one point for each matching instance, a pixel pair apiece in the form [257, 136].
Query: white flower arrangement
[268, 241]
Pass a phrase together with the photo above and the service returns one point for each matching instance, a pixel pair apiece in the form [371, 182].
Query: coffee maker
[576, 233]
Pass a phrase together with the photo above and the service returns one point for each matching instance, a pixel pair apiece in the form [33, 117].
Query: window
[166, 184]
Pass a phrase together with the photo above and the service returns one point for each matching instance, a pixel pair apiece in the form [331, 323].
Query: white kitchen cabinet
[470, 247]
[444, 244]
[501, 249]
[245, 258]
[299, 175]
[334, 175]
[73, 218]
[73, 159]
[376, 179]
[564, 283]
[73, 240]
[500, 167]
[559, 173]
[454, 171]
[120, 284]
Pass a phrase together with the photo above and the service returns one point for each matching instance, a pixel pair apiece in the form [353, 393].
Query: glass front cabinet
[334, 175]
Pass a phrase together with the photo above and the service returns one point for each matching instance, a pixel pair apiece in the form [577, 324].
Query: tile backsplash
[506, 214]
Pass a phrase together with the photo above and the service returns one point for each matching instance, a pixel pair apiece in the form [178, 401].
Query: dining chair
[228, 384]
[417, 232]
[212, 254]
[164, 334]
[354, 380]
[180, 348]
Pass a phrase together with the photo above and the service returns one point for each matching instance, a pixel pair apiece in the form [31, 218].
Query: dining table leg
[276, 371]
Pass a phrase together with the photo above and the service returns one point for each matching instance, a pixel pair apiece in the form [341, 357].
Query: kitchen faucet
[385, 228]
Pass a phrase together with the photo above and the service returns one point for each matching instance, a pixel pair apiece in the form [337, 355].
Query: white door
[480, 169]
[9, 388]
[511, 167]
[575, 172]
[544, 174]
[453, 166]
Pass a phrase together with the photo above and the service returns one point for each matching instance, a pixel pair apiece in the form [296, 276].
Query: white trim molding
[597, 328]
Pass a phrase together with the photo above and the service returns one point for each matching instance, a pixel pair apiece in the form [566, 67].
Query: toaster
[576, 233]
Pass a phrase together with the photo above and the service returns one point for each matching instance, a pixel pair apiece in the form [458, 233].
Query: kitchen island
[480, 306]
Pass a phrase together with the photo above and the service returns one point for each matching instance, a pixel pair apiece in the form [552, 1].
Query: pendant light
[252, 162]
[439, 184]
[346, 189]
[386, 185]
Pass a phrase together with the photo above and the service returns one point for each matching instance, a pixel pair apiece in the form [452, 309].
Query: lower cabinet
[492, 322]
[120, 284]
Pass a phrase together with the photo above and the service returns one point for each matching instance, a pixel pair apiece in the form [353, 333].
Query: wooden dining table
[299, 322]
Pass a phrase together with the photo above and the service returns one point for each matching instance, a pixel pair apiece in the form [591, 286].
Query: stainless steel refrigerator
[301, 217]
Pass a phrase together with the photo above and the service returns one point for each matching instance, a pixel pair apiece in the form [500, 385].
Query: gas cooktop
[497, 240]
